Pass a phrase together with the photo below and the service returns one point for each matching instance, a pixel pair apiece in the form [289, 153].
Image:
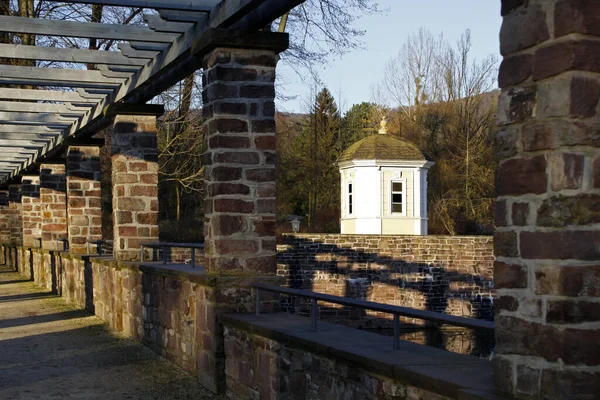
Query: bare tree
[413, 77]
[445, 106]
[322, 29]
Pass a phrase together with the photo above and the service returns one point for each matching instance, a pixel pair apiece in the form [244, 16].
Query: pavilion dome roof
[382, 147]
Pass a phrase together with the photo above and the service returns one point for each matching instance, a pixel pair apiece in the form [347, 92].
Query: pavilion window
[350, 204]
[397, 197]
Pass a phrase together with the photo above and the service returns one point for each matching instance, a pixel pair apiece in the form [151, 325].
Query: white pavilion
[384, 186]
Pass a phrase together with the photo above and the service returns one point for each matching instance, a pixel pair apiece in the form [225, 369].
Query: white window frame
[391, 193]
[348, 195]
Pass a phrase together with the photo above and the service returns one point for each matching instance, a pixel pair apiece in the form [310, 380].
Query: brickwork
[548, 244]
[449, 274]
[239, 226]
[15, 215]
[4, 217]
[32, 214]
[84, 207]
[53, 201]
[135, 184]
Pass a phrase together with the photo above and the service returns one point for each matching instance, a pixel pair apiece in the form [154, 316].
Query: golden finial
[383, 124]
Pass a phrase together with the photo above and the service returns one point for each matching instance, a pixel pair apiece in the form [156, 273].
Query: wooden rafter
[38, 123]
[39, 53]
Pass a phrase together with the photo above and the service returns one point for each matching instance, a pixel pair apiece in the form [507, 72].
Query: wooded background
[432, 94]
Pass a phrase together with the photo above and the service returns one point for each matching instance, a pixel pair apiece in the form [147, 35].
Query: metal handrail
[164, 245]
[397, 311]
[99, 244]
[65, 243]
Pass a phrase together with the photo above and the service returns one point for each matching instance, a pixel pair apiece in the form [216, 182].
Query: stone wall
[135, 184]
[31, 209]
[4, 218]
[84, 207]
[53, 203]
[262, 368]
[448, 274]
[548, 185]
[15, 216]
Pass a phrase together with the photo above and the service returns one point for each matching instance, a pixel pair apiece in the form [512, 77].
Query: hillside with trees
[434, 96]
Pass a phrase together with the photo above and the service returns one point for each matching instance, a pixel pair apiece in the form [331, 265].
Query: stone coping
[453, 375]
[375, 236]
[179, 271]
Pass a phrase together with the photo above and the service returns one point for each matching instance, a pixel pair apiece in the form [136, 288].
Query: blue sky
[385, 34]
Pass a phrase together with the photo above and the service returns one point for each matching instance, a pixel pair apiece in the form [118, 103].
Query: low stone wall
[450, 274]
[277, 356]
[261, 368]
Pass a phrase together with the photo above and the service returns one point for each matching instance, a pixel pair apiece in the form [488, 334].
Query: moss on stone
[382, 147]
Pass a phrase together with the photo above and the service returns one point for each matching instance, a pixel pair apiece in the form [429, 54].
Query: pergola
[37, 124]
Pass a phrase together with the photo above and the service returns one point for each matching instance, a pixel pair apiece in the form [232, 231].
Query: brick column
[32, 214]
[239, 227]
[53, 202]
[84, 202]
[4, 226]
[15, 216]
[547, 244]
[4, 218]
[134, 179]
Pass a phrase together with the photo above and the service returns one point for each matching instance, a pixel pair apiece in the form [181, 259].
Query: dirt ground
[51, 350]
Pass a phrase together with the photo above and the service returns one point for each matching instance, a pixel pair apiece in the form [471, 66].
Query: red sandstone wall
[450, 274]
[261, 368]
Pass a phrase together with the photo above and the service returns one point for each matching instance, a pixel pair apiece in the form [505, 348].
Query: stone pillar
[4, 226]
[15, 216]
[134, 179]
[547, 244]
[239, 227]
[84, 197]
[4, 218]
[53, 204]
[32, 215]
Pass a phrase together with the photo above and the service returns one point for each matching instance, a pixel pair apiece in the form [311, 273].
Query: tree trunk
[97, 10]
[186, 99]
[26, 9]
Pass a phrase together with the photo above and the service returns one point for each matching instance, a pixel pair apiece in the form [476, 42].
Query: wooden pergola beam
[182, 16]
[183, 5]
[39, 53]
[156, 23]
[35, 26]
[45, 95]
[27, 136]
[56, 75]
[23, 118]
[18, 106]
[29, 129]
[163, 51]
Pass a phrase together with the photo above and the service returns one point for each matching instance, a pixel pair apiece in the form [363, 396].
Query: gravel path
[51, 350]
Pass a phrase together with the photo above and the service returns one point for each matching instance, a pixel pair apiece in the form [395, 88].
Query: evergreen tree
[316, 151]
[360, 121]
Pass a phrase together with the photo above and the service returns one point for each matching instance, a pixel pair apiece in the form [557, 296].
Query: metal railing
[396, 311]
[100, 244]
[65, 244]
[165, 245]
